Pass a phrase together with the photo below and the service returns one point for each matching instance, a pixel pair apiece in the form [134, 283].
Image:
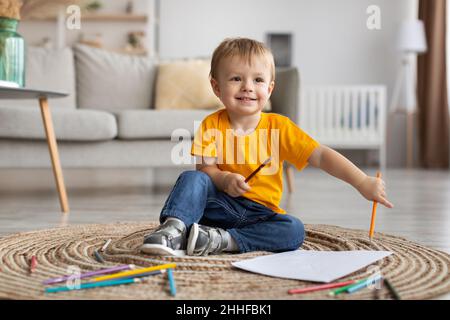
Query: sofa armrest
[286, 92]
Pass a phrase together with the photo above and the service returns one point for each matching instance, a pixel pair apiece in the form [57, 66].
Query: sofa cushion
[48, 69]
[70, 125]
[113, 81]
[142, 124]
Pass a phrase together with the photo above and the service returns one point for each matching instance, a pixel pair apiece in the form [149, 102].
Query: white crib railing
[346, 117]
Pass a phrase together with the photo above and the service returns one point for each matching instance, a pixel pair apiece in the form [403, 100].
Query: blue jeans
[195, 199]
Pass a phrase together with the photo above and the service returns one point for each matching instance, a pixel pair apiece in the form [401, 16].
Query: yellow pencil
[374, 213]
[135, 272]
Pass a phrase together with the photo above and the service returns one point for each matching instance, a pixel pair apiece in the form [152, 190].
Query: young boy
[213, 209]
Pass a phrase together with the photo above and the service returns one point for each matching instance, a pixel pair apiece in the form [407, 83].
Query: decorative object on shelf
[135, 43]
[92, 39]
[129, 7]
[40, 9]
[411, 41]
[12, 46]
[93, 6]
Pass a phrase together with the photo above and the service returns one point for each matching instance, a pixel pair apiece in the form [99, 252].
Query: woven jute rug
[416, 271]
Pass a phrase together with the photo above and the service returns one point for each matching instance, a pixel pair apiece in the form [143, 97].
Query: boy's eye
[236, 79]
[259, 80]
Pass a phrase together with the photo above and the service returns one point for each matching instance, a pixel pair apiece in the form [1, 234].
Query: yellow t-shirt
[276, 136]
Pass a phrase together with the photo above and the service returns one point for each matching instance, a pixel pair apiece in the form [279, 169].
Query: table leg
[53, 148]
[290, 177]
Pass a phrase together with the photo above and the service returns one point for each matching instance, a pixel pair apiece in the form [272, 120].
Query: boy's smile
[246, 100]
[242, 87]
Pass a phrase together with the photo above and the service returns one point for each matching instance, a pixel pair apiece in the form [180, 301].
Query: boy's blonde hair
[243, 48]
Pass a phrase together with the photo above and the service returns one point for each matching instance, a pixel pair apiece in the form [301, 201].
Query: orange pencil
[374, 213]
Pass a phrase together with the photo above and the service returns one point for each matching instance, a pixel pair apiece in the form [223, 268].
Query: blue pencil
[173, 289]
[92, 285]
[363, 284]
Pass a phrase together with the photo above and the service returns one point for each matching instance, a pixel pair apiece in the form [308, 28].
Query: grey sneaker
[204, 240]
[168, 239]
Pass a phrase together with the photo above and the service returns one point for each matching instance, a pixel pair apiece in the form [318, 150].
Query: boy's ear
[215, 87]
[271, 87]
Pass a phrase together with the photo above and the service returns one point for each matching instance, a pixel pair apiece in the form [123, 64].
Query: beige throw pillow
[184, 84]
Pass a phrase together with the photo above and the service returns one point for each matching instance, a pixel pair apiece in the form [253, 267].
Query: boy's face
[243, 89]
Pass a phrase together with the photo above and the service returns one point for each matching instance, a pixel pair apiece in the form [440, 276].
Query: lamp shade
[412, 37]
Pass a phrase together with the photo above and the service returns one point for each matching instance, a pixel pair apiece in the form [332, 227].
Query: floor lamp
[411, 41]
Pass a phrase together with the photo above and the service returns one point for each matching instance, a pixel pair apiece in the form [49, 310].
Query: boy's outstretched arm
[337, 165]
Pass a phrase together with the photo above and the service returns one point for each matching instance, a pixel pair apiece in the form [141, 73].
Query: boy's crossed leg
[226, 223]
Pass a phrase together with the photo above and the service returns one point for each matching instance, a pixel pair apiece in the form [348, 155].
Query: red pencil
[33, 264]
[321, 287]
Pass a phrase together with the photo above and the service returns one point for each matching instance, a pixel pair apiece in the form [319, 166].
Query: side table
[42, 96]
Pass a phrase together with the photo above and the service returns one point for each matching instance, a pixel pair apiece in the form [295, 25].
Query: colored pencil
[256, 171]
[321, 287]
[344, 289]
[105, 245]
[33, 264]
[391, 289]
[133, 272]
[90, 274]
[363, 284]
[173, 289]
[374, 213]
[142, 275]
[98, 257]
[93, 285]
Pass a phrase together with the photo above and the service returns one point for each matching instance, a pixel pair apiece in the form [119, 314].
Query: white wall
[331, 41]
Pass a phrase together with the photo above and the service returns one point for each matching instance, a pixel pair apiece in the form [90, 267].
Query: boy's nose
[247, 86]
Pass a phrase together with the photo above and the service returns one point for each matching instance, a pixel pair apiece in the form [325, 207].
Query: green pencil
[343, 289]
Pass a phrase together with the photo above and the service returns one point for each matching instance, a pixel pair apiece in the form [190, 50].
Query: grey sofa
[107, 121]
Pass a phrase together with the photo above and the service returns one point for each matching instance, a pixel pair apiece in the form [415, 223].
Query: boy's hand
[235, 185]
[373, 189]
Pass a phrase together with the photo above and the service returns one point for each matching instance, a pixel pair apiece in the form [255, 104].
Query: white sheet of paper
[311, 265]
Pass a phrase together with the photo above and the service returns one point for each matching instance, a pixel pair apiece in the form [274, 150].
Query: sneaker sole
[193, 235]
[160, 250]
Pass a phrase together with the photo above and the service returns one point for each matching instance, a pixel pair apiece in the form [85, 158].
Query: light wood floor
[421, 199]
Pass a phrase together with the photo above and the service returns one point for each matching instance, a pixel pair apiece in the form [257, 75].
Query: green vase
[12, 54]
